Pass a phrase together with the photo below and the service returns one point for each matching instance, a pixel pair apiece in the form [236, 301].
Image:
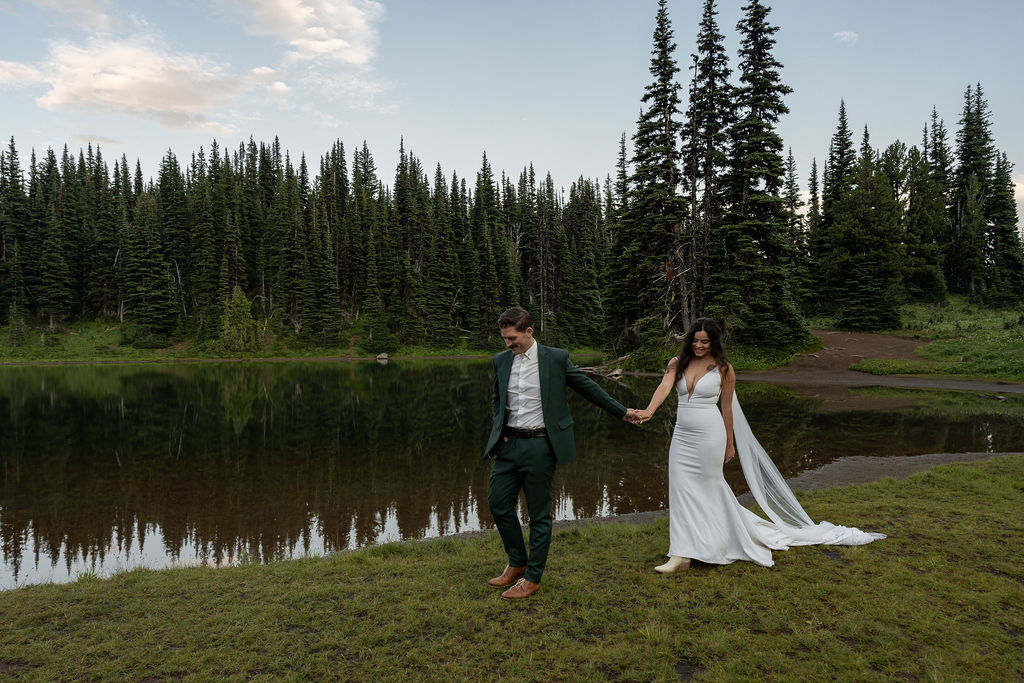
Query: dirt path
[830, 366]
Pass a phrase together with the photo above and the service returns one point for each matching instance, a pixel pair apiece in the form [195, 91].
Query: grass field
[941, 599]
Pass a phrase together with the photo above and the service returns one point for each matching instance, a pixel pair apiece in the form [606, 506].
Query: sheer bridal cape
[774, 496]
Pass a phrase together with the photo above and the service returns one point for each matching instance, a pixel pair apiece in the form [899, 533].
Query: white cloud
[278, 92]
[19, 75]
[323, 118]
[90, 15]
[1018, 187]
[356, 91]
[337, 30]
[96, 140]
[140, 77]
[846, 37]
[263, 74]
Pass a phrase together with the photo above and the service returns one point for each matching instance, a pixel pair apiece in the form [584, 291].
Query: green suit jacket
[556, 372]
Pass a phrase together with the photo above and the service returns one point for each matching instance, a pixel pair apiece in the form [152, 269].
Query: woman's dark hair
[714, 333]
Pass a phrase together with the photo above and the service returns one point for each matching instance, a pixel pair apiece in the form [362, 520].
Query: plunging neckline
[689, 391]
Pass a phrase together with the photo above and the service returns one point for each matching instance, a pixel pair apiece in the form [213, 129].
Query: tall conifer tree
[752, 287]
[705, 163]
[651, 225]
[1005, 258]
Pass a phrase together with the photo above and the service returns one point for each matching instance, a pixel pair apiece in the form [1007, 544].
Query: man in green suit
[532, 432]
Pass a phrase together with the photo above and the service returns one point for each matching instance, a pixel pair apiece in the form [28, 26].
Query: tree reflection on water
[104, 467]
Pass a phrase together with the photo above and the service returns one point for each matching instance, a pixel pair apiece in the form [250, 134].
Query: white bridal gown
[706, 522]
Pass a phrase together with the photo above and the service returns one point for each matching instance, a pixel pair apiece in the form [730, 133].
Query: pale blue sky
[552, 82]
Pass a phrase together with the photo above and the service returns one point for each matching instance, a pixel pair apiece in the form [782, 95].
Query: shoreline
[846, 471]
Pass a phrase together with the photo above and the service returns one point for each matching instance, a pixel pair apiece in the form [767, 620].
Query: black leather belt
[524, 433]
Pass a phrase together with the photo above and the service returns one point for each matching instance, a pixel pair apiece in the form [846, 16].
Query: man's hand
[634, 416]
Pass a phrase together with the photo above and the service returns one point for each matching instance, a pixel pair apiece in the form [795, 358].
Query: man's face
[515, 340]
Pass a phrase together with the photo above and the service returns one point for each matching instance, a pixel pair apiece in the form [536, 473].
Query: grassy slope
[940, 599]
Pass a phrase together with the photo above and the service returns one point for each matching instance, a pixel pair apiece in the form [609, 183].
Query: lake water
[106, 468]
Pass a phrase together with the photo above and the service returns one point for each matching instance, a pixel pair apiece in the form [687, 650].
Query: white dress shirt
[524, 407]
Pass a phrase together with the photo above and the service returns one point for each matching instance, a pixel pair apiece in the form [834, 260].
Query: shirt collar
[530, 353]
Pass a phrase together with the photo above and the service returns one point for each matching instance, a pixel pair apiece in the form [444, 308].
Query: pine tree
[751, 286]
[795, 253]
[55, 294]
[238, 332]
[817, 244]
[618, 317]
[442, 293]
[482, 221]
[651, 226]
[204, 252]
[17, 323]
[705, 161]
[469, 313]
[839, 168]
[77, 219]
[975, 153]
[864, 265]
[939, 154]
[14, 214]
[326, 319]
[287, 257]
[1005, 258]
[582, 218]
[102, 292]
[924, 222]
[364, 220]
[173, 223]
[145, 279]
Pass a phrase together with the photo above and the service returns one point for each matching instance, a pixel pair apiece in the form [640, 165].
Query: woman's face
[701, 344]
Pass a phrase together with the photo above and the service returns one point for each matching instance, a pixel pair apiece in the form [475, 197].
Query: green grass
[967, 340]
[756, 360]
[940, 599]
[95, 342]
[100, 342]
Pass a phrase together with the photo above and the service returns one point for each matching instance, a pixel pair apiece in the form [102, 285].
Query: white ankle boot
[674, 564]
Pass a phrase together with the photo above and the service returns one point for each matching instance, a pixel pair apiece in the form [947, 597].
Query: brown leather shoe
[507, 578]
[522, 589]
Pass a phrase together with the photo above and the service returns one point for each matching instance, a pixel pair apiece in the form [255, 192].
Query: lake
[105, 468]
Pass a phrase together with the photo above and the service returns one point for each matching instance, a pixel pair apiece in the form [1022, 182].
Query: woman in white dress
[706, 522]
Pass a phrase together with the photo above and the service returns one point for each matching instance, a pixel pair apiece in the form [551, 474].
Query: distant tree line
[235, 245]
[704, 217]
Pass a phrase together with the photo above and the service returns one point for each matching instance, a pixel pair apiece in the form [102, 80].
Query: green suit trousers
[527, 464]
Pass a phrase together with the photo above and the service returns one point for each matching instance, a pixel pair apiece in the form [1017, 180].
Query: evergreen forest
[702, 215]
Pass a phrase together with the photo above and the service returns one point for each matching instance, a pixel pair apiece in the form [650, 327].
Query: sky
[548, 82]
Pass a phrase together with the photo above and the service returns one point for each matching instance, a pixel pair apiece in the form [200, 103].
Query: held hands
[637, 417]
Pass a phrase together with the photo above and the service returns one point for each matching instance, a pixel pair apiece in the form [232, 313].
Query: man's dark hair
[515, 317]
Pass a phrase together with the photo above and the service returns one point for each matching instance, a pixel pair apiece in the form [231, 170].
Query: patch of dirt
[817, 371]
[842, 349]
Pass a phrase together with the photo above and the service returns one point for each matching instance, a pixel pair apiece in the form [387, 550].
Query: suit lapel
[543, 367]
[504, 370]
